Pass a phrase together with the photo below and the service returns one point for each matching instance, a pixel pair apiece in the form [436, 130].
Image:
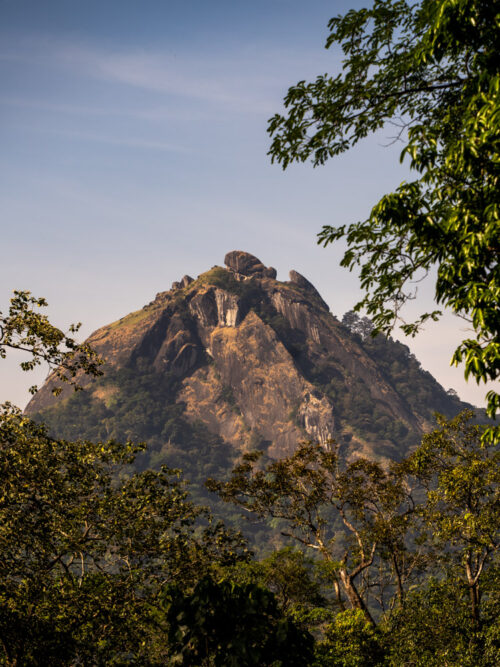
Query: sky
[134, 151]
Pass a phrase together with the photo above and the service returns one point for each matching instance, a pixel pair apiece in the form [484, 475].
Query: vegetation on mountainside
[403, 370]
[130, 319]
[356, 410]
[142, 410]
[219, 277]
[431, 69]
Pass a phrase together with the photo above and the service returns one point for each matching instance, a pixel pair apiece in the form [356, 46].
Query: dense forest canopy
[104, 565]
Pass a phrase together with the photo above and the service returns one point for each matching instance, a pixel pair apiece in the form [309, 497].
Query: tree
[87, 547]
[431, 68]
[362, 326]
[411, 550]
[289, 574]
[436, 628]
[349, 642]
[461, 512]
[354, 516]
[223, 623]
[296, 580]
[27, 330]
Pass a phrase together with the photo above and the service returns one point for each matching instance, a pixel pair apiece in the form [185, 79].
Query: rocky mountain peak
[246, 361]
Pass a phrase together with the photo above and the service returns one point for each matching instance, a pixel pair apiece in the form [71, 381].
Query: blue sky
[134, 151]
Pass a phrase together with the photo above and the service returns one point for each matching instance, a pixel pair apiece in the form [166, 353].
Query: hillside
[237, 360]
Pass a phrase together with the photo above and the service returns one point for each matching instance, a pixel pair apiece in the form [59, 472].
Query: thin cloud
[250, 80]
[150, 113]
[210, 82]
[131, 143]
[115, 141]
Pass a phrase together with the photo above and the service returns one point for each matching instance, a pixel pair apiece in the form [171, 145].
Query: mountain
[237, 360]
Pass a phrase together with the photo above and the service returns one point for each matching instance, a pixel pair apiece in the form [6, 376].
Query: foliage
[27, 330]
[103, 566]
[350, 641]
[376, 529]
[402, 369]
[461, 477]
[361, 326]
[436, 628]
[295, 580]
[86, 547]
[314, 494]
[431, 68]
[289, 574]
[223, 623]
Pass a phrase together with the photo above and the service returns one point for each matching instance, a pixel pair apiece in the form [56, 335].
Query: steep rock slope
[236, 360]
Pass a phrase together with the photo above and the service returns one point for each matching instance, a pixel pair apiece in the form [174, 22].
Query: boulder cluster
[245, 265]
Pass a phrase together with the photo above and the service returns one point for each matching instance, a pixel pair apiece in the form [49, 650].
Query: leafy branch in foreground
[25, 329]
[236, 625]
[430, 68]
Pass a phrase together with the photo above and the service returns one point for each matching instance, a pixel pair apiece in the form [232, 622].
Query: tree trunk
[355, 599]
[398, 580]
[473, 589]
[474, 601]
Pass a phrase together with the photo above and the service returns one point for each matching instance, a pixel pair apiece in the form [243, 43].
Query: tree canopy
[462, 514]
[87, 547]
[223, 623]
[410, 552]
[353, 516]
[430, 68]
[26, 329]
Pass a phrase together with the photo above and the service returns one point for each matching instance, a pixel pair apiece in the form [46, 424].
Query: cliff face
[246, 361]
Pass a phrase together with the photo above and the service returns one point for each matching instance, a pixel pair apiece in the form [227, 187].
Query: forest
[104, 565]
[107, 561]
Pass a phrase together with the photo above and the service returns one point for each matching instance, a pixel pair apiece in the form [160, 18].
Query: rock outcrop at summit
[245, 265]
[237, 359]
